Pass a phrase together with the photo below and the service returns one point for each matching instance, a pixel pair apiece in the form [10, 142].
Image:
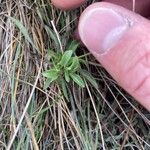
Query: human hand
[120, 40]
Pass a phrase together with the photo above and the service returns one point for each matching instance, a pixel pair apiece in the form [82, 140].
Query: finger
[120, 41]
[67, 4]
[139, 6]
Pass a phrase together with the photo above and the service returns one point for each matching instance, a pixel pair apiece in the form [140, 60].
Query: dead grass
[34, 118]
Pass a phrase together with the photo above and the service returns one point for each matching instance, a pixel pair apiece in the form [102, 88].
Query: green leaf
[67, 78]
[64, 89]
[82, 61]
[56, 59]
[74, 65]
[53, 36]
[51, 74]
[47, 83]
[73, 46]
[89, 78]
[66, 57]
[51, 54]
[77, 79]
[23, 30]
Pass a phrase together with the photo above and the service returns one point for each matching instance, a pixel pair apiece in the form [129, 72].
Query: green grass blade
[87, 76]
[23, 30]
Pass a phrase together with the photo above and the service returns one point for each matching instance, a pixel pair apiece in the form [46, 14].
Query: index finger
[139, 6]
[68, 4]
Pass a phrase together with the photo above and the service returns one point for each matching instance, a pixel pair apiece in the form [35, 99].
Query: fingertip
[67, 4]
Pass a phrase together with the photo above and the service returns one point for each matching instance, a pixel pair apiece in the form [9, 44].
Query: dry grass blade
[24, 111]
[32, 132]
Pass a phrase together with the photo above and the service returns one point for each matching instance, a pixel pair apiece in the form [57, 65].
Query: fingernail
[101, 28]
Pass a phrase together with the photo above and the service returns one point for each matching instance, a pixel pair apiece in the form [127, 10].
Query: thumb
[120, 41]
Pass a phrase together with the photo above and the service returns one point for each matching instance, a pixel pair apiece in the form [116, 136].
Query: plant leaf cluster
[67, 66]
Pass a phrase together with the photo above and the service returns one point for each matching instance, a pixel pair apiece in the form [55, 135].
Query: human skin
[120, 41]
[67, 4]
[141, 6]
